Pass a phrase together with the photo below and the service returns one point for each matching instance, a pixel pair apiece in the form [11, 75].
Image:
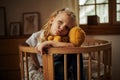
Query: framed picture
[2, 21]
[15, 28]
[30, 22]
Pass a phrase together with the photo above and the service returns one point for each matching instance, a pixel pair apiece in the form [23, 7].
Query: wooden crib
[95, 53]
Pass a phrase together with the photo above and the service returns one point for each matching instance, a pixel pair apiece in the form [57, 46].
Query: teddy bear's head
[76, 36]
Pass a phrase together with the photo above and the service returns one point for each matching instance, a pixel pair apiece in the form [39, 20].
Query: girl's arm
[35, 61]
[41, 48]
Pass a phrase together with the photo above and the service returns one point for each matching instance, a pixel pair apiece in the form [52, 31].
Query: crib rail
[98, 50]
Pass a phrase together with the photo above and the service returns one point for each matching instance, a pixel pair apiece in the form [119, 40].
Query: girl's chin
[57, 34]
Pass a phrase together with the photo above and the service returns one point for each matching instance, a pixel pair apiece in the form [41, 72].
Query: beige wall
[15, 9]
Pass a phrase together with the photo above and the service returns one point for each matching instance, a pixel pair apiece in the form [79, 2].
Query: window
[94, 7]
[108, 12]
[118, 11]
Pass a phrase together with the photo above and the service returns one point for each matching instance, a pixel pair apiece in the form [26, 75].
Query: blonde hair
[47, 26]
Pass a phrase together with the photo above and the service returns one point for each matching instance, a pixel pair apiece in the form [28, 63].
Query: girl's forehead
[65, 16]
[62, 14]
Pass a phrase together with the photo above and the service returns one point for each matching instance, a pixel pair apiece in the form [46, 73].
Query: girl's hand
[42, 48]
[40, 69]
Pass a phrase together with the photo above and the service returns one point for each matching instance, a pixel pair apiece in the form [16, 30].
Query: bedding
[94, 68]
[33, 73]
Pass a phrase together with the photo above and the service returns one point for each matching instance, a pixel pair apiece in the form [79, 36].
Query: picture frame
[2, 21]
[30, 22]
[15, 28]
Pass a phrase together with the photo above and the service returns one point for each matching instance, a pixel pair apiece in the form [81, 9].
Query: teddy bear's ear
[50, 38]
[76, 36]
[54, 38]
[57, 38]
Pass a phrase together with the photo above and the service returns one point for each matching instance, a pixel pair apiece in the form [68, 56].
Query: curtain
[73, 5]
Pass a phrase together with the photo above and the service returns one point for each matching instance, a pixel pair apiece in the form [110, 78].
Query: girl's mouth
[58, 32]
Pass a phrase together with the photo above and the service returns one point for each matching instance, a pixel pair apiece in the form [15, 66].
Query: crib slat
[26, 65]
[98, 70]
[105, 63]
[78, 67]
[65, 67]
[51, 67]
[21, 65]
[45, 69]
[110, 62]
[89, 67]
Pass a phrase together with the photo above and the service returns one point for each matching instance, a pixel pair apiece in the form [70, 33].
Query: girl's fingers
[42, 48]
[38, 50]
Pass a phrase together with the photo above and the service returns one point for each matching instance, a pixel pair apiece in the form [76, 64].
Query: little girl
[59, 24]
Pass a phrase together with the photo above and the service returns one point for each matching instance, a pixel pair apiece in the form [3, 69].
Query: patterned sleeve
[32, 40]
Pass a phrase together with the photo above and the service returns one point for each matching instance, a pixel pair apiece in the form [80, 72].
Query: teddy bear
[76, 36]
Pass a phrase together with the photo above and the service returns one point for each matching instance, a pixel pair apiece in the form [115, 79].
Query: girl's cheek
[64, 33]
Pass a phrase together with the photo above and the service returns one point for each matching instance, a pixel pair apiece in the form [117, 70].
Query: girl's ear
[51, 20]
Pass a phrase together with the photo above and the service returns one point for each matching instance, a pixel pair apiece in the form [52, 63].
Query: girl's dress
[32, 41]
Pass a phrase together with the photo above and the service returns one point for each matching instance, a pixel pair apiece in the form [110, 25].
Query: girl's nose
[62, 27]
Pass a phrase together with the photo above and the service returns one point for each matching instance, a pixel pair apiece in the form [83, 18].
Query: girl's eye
[60, 22]
[67, 27]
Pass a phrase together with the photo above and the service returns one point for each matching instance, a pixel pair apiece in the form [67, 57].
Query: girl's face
[61, 24]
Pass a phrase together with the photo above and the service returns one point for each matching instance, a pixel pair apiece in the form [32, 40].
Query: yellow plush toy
[76, 36]
[55, 38]
[58, 38]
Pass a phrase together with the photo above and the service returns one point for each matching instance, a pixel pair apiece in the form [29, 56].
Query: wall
[15, 9]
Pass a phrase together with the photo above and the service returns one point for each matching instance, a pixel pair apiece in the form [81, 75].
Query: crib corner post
[48, 69]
